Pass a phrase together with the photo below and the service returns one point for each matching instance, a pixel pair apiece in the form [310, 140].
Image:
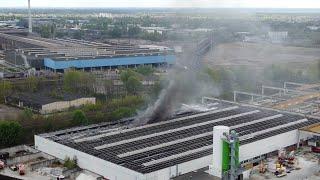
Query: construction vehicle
[282, 156]
[1, 165]
[286, 159]
[280, 170]
[262, 167]
[21, 169]
[291, 158]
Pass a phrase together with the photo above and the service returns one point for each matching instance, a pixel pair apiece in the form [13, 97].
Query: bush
[32, 83]
[92, 107]
[99, 117]
[145, 70]
[56, 95]
[27, 114]
[10, 133]
[5, 90]
[79, 118]
[133, 85]
[77, 81]
[70, 163]
[131, 80]
[128, 101]
[126, 74]
[122, 113]
[152, 36]
[49, 125]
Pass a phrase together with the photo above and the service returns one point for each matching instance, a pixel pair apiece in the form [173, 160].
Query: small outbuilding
[47, 105]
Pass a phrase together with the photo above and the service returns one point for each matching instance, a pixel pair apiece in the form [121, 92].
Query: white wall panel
[86, 161]
[267, 145]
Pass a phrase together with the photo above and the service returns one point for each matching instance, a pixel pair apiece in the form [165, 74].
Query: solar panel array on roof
[156, 146]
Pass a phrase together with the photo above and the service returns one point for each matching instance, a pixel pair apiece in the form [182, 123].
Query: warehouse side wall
[108, 62]
[274, 143]
[179, 169]
[86, 161]
[63, 105]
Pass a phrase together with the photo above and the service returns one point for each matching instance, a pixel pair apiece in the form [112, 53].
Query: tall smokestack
[30, 19]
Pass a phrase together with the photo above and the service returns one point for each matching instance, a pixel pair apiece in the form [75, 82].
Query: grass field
[260, 54]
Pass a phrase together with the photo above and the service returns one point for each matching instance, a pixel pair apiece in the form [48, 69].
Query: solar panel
[194, 137]
[178, 155]
[164, 144]
[156, 124]
[174, 130]
[249, 136]
[257, 121]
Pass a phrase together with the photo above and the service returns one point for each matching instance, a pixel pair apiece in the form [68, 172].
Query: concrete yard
[306, 161]
[30, 175]
[308, 172]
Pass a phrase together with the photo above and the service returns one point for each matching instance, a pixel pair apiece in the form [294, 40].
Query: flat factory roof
[157, 146]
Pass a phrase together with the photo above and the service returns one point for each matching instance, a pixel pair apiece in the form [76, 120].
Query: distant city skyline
[165, 3]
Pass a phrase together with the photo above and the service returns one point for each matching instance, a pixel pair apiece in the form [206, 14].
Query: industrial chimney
[30, 19]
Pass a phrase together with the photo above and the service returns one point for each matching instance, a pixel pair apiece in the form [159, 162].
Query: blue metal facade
[108, 62]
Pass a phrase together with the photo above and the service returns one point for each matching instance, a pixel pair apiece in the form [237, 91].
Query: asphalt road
[7, 178]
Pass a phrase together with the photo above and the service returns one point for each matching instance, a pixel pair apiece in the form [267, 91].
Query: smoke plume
[186, 82]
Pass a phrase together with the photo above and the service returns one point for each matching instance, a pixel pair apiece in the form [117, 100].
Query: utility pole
[30, 19]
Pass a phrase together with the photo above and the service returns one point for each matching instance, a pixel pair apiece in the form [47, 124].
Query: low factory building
[47, 105]
[163, 150]
[64, 105]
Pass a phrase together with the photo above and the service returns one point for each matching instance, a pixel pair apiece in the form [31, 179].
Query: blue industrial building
[109, 62]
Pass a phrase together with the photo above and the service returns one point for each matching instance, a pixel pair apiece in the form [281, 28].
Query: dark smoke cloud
[186, 83]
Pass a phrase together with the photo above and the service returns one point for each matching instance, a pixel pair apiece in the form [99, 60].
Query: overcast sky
[166, 3]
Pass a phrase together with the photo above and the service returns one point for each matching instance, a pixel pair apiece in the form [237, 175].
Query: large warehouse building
[109, 62]
[59, 54]
[177, 146]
